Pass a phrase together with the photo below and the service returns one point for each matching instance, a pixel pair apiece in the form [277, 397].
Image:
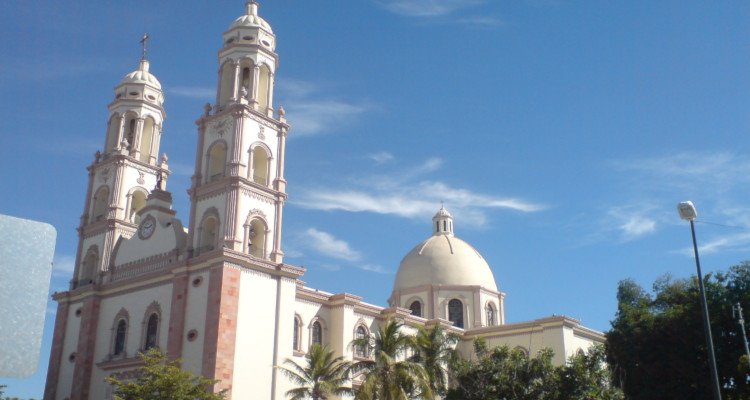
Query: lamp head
[687, 210]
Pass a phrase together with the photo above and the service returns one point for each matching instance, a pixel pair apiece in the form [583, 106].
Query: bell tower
[124, 173]
[238, 188]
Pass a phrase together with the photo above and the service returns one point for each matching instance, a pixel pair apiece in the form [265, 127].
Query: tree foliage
[323, 374]
[159, 380]
[657, 346]
[502, 373]
[435, 350]
[390, 375]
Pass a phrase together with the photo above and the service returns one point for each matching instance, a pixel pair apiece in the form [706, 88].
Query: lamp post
[688, 212]
[737, 312]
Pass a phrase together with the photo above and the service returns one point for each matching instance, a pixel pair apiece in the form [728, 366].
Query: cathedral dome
[251, 19]
[444, 259]
[141, 75]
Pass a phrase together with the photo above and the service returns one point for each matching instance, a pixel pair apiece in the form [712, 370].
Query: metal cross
[143, 42]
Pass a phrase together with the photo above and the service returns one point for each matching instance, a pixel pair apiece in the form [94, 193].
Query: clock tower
[123, 173]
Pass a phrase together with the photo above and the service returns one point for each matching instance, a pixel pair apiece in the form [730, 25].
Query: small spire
[251, 7]
[144, 39]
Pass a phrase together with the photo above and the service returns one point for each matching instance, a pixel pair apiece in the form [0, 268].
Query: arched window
[361, 348]
[113, 133]
[100, 204]
[256, 238]
[246, 77]
[260, 166]
[152, 329]
[120, 332]
[216, 162]
[208, 231]
[137, 201]
[227, 84]
[416, 308]
[146, 138]
[130, 128]
[88, 269]
[489, 311]
[265, 79]
[456, 312]
[297, 331]
[317, 333]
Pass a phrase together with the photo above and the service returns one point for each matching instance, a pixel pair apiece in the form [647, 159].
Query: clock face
[147, 227]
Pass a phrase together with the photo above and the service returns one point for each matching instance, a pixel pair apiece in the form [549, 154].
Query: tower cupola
[247, 63]
[442, 223]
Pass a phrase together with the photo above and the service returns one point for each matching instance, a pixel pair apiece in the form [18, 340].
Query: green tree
[159, 380]
[435, 350]
[656, 348]
[322, 374]
[585, 377]
[502, 373]
[390, 375]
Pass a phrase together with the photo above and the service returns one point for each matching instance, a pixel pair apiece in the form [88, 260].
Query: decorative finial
[143, 42]
[442, 204]
[251, 8]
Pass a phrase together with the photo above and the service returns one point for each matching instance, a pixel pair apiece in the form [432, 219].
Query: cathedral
[215, 292]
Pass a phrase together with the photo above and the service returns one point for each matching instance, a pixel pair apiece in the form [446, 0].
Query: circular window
[192, 335]
[118, 95]
[247, 38]
[151, 97]
[197, 281]
[72, 357]
[78, 312]
[265, 43]
[134, 93]
[230, 40]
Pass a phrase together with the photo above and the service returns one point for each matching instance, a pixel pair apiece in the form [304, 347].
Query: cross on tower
[143, 42]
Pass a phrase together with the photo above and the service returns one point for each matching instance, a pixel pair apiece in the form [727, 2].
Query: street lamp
[687, 212]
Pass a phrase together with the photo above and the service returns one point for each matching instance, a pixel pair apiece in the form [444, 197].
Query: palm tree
[435, 350]
[390, 375]
[322, 375]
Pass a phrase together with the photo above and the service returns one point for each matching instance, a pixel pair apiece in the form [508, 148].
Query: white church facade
[218, 295]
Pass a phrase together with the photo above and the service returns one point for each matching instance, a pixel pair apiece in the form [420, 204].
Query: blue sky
[560, 134]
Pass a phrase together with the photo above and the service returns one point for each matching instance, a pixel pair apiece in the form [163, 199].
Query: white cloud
[381, 157]
[481, 21]
[426, 8]
[209, 94]
[374, 268]
[729, 243]
[316, 116]
[405, 195]
[324, 243]
[311, 111]
[638, 225]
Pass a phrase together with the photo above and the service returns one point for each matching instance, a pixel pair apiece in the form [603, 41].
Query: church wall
[195, 318]
[136, 303]
[70, 345]
[285, 333]
[253, 357]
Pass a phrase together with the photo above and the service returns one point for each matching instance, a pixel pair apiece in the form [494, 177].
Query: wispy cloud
[717, 181]
[632, 221]
[374, 268]
[64, 265]
[327, 245]
[426, 8]
[381, 157]
[312, 111]
[193, 92]
[26, 69]
[481, 21]
[408, 195]
[733, 242]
